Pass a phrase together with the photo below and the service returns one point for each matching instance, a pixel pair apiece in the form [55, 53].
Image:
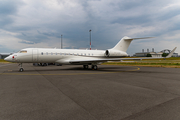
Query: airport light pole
[61, 42]
[90, 38]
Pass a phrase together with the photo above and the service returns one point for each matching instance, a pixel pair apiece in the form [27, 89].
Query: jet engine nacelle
[113, 53]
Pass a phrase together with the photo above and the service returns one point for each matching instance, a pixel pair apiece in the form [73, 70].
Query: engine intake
[107, 53]
[114, 53]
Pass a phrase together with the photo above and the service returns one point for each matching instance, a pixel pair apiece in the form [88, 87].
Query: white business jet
[75, 56]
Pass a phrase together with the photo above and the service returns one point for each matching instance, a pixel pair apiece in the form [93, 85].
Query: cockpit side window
[23, 51]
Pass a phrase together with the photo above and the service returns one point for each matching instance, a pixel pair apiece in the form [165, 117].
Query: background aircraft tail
[124, 43]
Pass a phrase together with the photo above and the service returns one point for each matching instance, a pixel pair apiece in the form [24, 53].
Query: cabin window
[46, 53]
[51, 53]
[42, 53]
[89, 54]
[85, 54]
[56, 53]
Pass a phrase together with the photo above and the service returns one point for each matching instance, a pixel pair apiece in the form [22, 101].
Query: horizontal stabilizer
[138, 38]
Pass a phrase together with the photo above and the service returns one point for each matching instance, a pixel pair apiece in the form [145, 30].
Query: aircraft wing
[90, 60]
[99, 60]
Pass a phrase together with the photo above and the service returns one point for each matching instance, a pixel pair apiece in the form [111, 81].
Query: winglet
[170, 54]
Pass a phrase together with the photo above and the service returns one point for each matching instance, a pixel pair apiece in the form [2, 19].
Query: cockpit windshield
[23, 51]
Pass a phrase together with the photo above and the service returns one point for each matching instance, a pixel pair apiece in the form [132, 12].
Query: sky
[40, 23]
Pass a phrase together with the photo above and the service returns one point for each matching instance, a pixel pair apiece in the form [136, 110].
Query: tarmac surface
[71, 93]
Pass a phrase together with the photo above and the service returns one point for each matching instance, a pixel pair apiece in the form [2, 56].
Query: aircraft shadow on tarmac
[100, 69]
[129, 69]
[109, 69]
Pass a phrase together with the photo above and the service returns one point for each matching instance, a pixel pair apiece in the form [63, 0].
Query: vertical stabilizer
[123, 44]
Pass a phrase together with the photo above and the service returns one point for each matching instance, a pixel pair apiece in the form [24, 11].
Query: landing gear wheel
[21, 70]
[85, 66]
[94, 67]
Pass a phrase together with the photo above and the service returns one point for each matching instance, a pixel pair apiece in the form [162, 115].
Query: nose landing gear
[21, 68]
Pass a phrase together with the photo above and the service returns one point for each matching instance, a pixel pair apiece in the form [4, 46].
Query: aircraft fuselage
[62, 56]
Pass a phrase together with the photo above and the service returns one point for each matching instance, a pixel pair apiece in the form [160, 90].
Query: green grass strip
[3, 61]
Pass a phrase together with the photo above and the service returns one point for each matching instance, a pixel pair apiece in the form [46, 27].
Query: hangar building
[3, 55]
[154, 54]
[144, 54]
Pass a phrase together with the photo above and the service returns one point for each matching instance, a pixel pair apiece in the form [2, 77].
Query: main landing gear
[94, 67]
[85, 66]
[21, 68]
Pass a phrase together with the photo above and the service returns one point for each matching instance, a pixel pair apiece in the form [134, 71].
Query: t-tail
[124, 43]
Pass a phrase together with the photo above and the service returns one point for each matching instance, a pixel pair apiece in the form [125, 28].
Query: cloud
[30, 23]
[26, 42]
[1, 46]
[7, 9]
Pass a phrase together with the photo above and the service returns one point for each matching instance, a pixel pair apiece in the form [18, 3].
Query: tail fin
[124, 43]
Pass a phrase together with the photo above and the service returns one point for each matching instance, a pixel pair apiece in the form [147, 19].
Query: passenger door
[35, 55]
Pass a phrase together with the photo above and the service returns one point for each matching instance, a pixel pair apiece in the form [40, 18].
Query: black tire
[95, 67]
[92, 67]
[85, 66]
[21, 70]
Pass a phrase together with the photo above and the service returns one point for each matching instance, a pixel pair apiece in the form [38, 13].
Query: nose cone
[9, 58]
